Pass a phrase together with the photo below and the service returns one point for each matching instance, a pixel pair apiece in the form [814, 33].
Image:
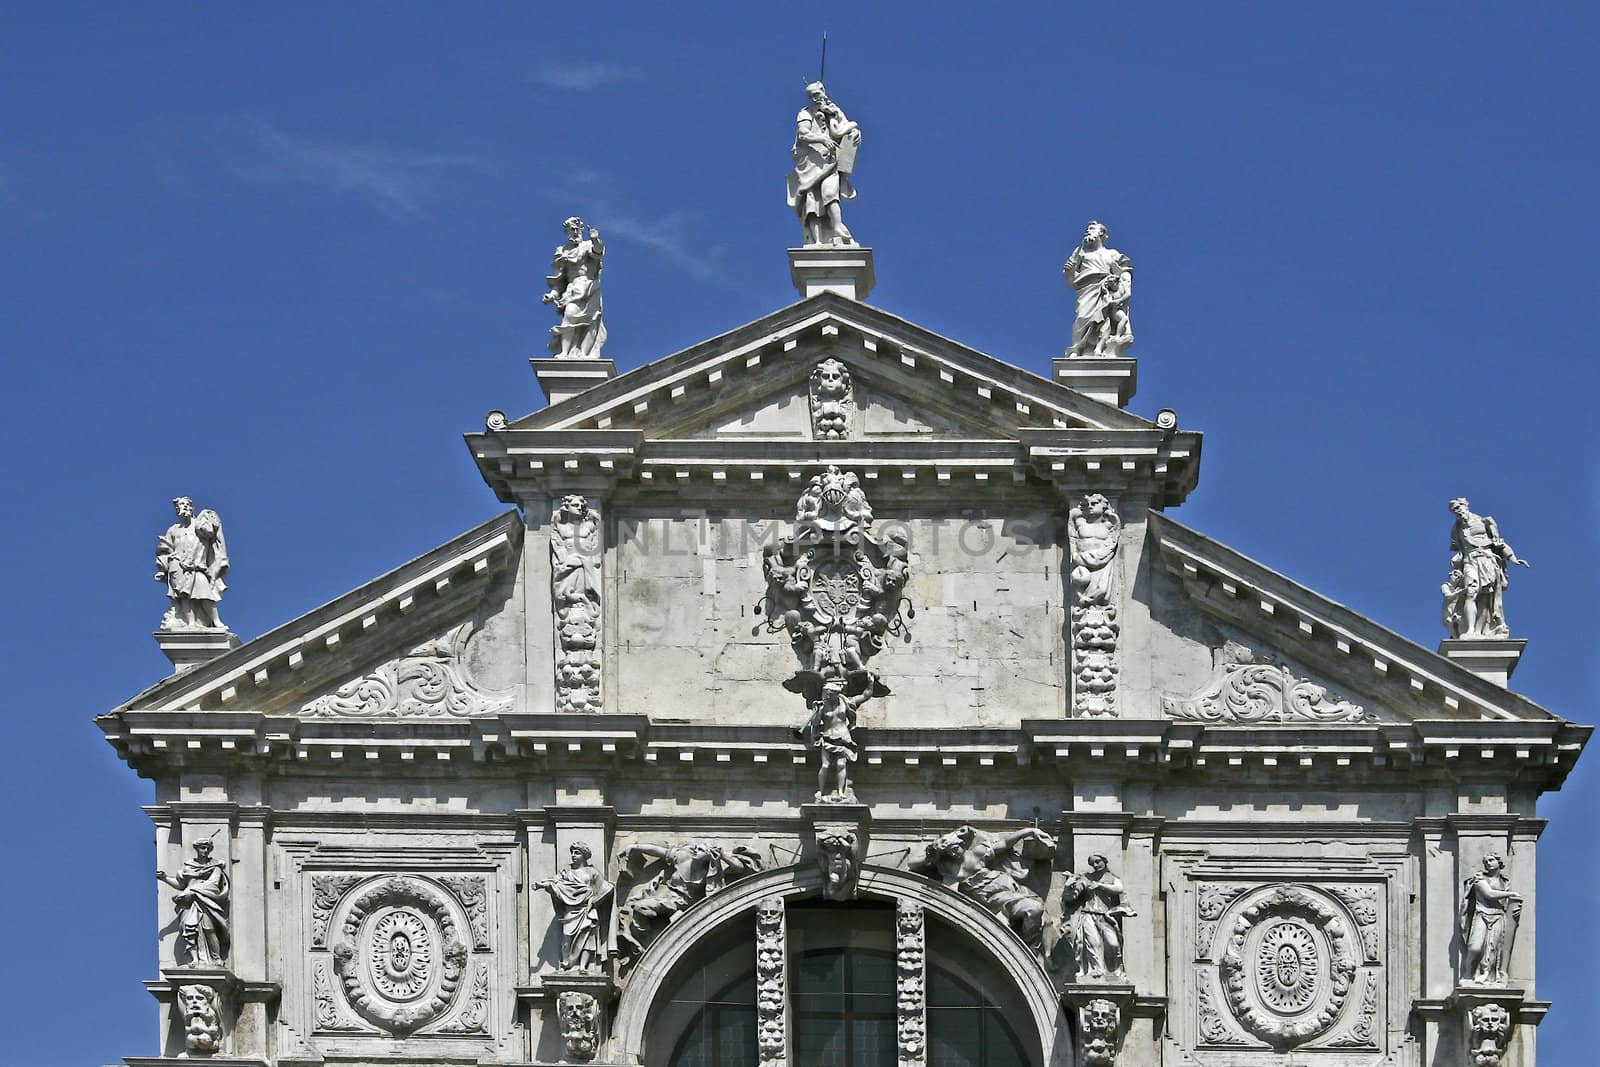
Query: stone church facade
[834, 693]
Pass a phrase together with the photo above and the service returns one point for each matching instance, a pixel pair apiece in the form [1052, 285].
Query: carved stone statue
[690, 871]
[832, 401]
[1094, 529]
[580, 893]
[1489, 915]
[575, 548]
[202, 905]
[580, 1023]
[836, 587]
[574, 282]
[994, 870]
[837, 855]
[825, 144]
[1478, 561]
[202, 1018]
[192, 559]
[1098, 1023]
[1094, 920]
[1490, 1032]
[1103, 278]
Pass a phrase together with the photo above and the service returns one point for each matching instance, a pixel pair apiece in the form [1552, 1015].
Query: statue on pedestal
[1094, 923]
[579, 893]
[1478, 560]
[574, 282]
[192, 559]
[1489, 915]
[825, 144]
[202, 904]
[1103, 278]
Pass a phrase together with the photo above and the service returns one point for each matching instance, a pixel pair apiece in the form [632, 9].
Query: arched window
[841, 996]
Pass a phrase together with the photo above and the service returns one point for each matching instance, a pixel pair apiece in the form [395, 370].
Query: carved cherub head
[831, 379]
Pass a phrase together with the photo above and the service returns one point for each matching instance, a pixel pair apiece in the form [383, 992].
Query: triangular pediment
[1269, 632]
[428, 639]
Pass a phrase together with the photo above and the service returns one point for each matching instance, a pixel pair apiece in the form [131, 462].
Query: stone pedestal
[562, 379]
[843, 269]
[189, 648]
[231, 1027]
[1109, 379]
[1490, 658]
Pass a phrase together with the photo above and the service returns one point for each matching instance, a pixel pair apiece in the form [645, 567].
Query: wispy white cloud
[581, 77]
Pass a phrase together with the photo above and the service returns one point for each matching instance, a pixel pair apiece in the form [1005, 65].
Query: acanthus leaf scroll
[837, 588]
[1247, 690]
[430, 681]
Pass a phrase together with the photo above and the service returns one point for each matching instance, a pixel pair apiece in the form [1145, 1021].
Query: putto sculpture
[581, 895]
[832, 399]
[1489, 915]
[996, 870]
[1103, 279]
[1479, 557]
[574, 282]
[1095, 912]
[690, 871]
[192, 559]
[201, 901]
[835, 586]
[825, 144]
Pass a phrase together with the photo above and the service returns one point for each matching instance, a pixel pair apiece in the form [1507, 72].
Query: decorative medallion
[1288, 965]
[400, 958]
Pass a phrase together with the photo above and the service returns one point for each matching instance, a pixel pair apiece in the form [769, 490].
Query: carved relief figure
[690, 872]
[1489, 915]
[1478, 560]
[580, 893]
[1103, 279]
[771, 984]
[840, 862]
[1094, 528]
[574, 282]
[825, 144]
[836, 588]
[575, 547]
[832, 401]
[201, 901]
[580, 1023]
[202, 1018]
[1094, 920]
[1489, 1026]
[1098, 1023]
[910, 983]
[994, 870]
[192, 559]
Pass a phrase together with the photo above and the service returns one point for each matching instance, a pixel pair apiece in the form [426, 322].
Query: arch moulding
[986, 931]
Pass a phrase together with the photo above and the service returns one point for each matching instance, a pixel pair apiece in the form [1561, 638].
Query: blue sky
[280, 258]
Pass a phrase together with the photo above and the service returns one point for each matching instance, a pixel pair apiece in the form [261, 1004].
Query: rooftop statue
[825, 144]
[192, 559]
[1478, 561]
[574, 282]
[1103, 278]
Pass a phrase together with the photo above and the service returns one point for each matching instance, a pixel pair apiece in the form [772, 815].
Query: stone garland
[382, 981]
[575, 547]
[1271, 970]
[1094, 528]
[1213, 1029]
[910, 962]
[771, 984]
[326, 892]
[1359, 1033]
[472, 892]
[474, 1018]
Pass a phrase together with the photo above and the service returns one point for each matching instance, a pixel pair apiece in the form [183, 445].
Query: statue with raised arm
[690, 871]
[825, 144]
[1489, 915]
[202, 904]
[574, 282]
[1103, 279]
[192, 559]
[994, 870]
[1479, 556]
[580, 893]
[1094, 920]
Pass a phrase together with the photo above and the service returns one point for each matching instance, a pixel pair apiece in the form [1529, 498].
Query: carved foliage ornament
[910, 983]
[575, 548]
[832, 401]
[1288, 965]
[771, 984]
[400, 957]
[1243, 690]
[430, 681]
[1094, 529]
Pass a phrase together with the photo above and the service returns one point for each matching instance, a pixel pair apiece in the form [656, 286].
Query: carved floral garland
[1094, 530]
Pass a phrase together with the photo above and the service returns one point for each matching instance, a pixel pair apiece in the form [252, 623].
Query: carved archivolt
[1245, 690]
[1288, 965]
[772, 993]
[833, 403]
[428, 681]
